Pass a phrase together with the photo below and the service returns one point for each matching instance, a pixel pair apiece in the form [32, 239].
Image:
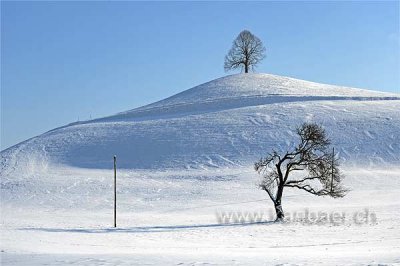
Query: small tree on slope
[311, 155]
[246, 52]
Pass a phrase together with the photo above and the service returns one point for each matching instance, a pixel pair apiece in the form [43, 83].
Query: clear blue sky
[61, 61]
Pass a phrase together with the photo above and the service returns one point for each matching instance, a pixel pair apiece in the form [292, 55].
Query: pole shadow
[143, 229]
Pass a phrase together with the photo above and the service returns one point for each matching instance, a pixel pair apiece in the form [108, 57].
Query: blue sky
[64, 61]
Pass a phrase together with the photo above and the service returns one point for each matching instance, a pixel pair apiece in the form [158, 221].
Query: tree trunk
[246, 68]
[279, 211]
[278, 205]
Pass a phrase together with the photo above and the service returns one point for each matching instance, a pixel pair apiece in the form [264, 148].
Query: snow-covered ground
[66, 216]
[186, 161]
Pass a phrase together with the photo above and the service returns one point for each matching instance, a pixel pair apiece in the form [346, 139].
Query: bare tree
[311, 155]
[246, 52]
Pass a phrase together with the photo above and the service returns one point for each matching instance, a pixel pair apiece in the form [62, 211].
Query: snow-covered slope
[54, 212]
[245, 90]
[228, 121]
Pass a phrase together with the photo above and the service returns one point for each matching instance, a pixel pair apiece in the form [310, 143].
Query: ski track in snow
[189, 156]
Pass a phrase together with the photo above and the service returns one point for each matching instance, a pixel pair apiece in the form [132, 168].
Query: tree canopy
[246, 52]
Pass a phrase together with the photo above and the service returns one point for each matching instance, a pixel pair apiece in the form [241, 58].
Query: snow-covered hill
[190, 156]
[228, 121]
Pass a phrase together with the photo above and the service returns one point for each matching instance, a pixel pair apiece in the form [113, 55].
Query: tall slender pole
[115, 191]
[333, 162]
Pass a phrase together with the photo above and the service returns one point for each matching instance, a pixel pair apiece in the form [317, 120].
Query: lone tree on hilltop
[246, 52]
[311, 155]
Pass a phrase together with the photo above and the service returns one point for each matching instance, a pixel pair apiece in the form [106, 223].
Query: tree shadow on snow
[142, 229]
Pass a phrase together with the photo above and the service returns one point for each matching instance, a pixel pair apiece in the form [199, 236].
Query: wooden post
[115, 191]
[333, 162]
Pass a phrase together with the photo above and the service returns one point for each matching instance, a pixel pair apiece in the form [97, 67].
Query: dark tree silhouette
[246, 52]
[311, 155]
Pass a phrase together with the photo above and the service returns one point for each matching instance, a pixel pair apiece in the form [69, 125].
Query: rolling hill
[230, 121]
[187, 159]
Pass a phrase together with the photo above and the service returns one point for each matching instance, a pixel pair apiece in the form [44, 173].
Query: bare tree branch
[311, 155]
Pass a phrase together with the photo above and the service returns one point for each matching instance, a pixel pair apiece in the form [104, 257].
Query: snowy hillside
[189, 157]
[230, 121]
